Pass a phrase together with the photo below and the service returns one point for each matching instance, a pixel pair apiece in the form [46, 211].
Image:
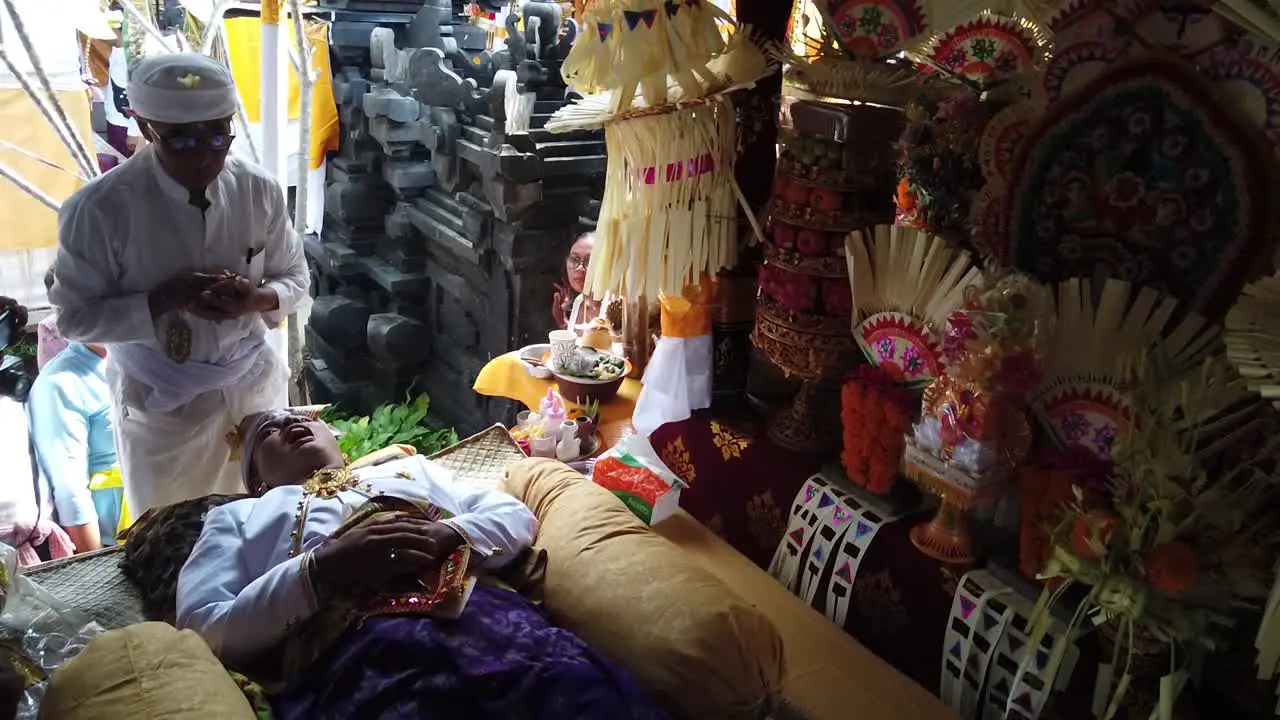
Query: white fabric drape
[22, 275]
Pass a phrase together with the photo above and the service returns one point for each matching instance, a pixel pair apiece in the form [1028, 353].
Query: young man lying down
[319, 583]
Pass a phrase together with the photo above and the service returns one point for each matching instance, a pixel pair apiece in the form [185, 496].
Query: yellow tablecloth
[506, 377]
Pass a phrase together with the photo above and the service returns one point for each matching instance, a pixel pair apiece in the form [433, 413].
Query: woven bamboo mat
[482, 459]
[93, 584]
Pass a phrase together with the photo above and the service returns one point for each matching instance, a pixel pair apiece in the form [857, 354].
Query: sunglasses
[578, 263]
[192, 143]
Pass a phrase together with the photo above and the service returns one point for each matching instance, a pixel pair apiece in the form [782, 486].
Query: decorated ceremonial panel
[829, 533]
[990, 669]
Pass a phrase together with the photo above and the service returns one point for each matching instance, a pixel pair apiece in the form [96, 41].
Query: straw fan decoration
[1082, 399]
[987, 50]
[660, 71]
[1253, 342]
[904, 285]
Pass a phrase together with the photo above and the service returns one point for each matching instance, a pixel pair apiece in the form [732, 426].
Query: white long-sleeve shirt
[242, 591]
[133, 228]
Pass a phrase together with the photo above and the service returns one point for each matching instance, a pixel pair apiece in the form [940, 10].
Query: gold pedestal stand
[816, 349]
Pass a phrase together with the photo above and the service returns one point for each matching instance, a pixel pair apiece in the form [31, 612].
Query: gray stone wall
[444, 233]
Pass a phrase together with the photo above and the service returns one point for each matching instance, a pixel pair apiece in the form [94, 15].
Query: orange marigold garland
[876, 415]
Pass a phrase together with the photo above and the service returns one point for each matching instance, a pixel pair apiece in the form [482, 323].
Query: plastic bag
[38, 632]
[634, 472]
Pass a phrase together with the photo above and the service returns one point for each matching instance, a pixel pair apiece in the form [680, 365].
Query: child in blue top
[69, 409]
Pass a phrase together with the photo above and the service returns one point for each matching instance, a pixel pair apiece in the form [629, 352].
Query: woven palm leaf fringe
[898, 269]
[1253, 338]
[1094, 346]
[745, 60]
[635, 45]
[669, 212]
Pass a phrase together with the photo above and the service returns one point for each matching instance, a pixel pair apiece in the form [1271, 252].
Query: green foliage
[399, 424]
[24, 348]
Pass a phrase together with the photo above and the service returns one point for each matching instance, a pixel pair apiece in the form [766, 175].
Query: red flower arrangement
[1172, 568]
[875, 414]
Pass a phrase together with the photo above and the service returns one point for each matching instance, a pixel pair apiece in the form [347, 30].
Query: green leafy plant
[25, 348]
[391, 424]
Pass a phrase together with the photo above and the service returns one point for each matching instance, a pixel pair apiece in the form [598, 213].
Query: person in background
[571, 307]
[69, 410]
[178, 261]
[24, 506]
[49, 342]
[122, 129]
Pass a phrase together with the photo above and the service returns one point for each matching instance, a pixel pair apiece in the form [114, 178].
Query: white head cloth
[180, 88]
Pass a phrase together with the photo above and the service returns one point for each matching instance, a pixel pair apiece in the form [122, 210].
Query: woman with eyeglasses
[571, 307]
[178, 261]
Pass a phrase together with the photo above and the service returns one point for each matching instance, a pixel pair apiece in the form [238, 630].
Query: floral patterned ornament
[730, 443]
[676, 456]
[1085, 415]
[873, 29]
[1247, 72]
[902, 346]
[1144, 175]
[988, 50]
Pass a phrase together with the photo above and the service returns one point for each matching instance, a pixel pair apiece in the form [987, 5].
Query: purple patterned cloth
[501, 660]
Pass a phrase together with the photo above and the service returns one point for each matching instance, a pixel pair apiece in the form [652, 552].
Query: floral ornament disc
[1001, 139]
[900, 345]
[874, 28]
[1247, 73]
[1086, 415]
[1074, 66]
[986, 51]
[1145, 176]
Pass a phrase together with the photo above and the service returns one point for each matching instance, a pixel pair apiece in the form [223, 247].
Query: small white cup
[543, 447]
[564, 343]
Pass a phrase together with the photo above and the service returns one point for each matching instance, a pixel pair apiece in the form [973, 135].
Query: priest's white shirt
[124, 234]
[241, 590]
[131, 229]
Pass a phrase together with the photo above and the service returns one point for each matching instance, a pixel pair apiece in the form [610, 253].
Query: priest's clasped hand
[231, 297]
[216, 297]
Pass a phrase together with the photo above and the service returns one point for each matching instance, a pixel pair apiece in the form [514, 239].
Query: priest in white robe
[336, 599]
[179, 261]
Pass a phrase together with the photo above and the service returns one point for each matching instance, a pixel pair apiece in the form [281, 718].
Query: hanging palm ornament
[657, 72]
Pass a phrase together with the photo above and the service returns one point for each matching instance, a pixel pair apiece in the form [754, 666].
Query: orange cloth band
[689, 314]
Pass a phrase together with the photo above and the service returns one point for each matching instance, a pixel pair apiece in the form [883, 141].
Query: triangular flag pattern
[797, 536]
[1015, 644]
[955, 649]
[989, 621]
[825, 501]
[862, 529]
[966, 607]
[841, 516]
[845, 573]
